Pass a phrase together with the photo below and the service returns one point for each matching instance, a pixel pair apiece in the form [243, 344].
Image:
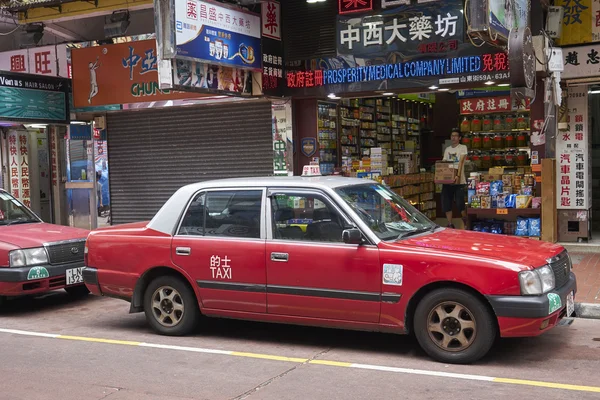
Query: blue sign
[308, 146]
[215, 34]
[80, 132]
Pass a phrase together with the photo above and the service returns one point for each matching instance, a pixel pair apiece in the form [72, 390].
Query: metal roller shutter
[152, 153]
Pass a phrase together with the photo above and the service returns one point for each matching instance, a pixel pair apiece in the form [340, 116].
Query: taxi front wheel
[170, 306]
[453, 326]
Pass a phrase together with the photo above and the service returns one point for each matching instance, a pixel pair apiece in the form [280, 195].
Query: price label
[502, 211]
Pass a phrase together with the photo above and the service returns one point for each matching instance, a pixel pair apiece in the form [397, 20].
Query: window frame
[322, 196]
[206, 191]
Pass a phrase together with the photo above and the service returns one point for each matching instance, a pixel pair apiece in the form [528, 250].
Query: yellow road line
[268, 357]
[552, 385]
[98, 340]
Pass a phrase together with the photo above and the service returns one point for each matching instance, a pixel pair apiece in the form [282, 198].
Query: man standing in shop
[456, 153]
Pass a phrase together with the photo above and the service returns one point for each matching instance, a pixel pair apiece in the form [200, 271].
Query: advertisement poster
[573, 154]
[508, 14]
[197, 75]
[283, 145]
[33, 98]
[121, 73]
[215, 34]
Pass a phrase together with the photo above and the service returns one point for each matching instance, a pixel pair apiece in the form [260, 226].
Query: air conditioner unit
[116, 24]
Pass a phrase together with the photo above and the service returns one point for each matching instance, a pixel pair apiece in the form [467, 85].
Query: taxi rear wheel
[454, 326]
[170, 306]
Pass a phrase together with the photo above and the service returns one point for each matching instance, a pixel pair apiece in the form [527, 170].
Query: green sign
[554, 302]
[37, 273]
[31, 104]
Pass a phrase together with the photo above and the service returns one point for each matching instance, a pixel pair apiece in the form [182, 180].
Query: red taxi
[36, 257]
[333, 252]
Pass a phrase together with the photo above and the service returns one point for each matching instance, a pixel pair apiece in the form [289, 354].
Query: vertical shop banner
[24, 168]
[273, 72]
[573, 154]
[581, 61]
[411, 29]
[581, 21]
[283, 160]
[121, 73]
[18, 150]
[53, 144]
[215, 34]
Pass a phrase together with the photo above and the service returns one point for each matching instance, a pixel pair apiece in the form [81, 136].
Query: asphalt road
[59, 348]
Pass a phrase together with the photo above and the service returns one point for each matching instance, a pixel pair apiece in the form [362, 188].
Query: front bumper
[23, 281]
[532, 306]
[90, 278]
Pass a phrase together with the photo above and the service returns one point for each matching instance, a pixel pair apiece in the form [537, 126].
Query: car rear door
[221, 243]
[311, 272]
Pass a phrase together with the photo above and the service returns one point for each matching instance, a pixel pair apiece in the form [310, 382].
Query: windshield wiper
[417, 231]
[21, 221]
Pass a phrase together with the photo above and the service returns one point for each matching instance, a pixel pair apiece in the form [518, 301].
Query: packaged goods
[536, 202]
[445, 172]
[483, 188]
[526, 190]
[497, 228]
[494, 201]
[475, 202]
[534, 227]
[507, 180]
[495, 188]
[477, 226]
[486, 202]
[522, 227]
[501, 201]
[523, 201]
[470, 194]
[511, 201]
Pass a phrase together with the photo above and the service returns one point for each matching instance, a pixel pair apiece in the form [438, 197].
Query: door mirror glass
[352, 236]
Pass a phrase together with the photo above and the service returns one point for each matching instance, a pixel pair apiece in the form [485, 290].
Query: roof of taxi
[282, 181]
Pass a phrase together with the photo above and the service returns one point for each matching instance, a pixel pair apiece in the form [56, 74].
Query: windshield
[388, 215]
[13, 212]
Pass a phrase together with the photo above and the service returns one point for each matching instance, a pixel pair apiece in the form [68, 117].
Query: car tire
[170, 306]
[77, 291]
[454, 326]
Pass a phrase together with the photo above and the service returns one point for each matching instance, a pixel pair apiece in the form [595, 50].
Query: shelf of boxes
[327, 137]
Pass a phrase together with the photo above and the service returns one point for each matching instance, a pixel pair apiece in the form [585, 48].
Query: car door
[221, 243]
[311, 272]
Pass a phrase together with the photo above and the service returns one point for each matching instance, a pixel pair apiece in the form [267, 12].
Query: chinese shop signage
[18, 150]
[483, 66]
[53, 141]
[216, 34]
[193, 75]
[581, 21]
[573, 155]
[487, 105]
[46, 60]
[31, 98]
[417, 28]
[354, 6]
[118, 74]
[272, 50]
[581, 62]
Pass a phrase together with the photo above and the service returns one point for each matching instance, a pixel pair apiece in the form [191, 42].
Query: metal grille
[561, 269]
[63, 253]
[154, 152]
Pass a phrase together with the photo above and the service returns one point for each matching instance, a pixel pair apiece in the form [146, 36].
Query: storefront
[33, 120]
[385, 107]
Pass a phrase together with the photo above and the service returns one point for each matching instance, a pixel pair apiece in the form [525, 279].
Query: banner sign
[273, 73]
[46, 60]
[487, 105]
[18, 147]
[193, 75]
[215, 34]
[354, 6]
[581, 21]
[573, 154]
[581, 61]
[33, 98]
[417, 28]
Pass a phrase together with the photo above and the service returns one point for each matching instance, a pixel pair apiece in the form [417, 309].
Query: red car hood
[506, 248]
[35, 235]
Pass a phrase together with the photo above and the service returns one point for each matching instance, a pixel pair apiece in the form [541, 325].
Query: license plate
[74, 276]
[570, 304]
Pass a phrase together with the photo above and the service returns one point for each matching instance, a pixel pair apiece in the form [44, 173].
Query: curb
[587, 310]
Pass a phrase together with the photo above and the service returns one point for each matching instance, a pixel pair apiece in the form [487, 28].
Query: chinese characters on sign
[53, 156]
[18, 148]
[46, 60]
[581, 21]
[283, 160]
[354, 6]
[272, 71]
[573, 154]
[271, 20]
[486, 105]
[581, 61]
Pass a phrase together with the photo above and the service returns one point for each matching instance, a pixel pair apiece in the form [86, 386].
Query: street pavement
[587, 269]
[55, 347]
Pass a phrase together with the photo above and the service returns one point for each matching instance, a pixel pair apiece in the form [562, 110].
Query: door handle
[281, 257]
[183, 251]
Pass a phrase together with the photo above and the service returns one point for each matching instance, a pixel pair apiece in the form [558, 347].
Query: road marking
[339, 364]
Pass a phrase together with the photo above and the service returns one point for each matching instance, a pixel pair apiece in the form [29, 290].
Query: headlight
[28, 257]
[538, 281]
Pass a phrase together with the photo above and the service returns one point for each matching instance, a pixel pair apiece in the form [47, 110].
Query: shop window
[305, 218]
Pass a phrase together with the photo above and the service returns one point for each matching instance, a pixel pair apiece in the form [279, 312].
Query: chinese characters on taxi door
[220, 267]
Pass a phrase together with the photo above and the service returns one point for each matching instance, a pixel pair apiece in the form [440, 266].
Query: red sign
[302, 79]
[440, 47]
[354, 6]
[487, 105]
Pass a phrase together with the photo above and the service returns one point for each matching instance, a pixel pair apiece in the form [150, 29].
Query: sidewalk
[587, 269]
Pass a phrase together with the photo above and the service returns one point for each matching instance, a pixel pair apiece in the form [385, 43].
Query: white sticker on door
[392, 274]
[220, 267]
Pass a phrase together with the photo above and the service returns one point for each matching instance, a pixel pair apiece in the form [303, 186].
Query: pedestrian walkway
[587, 269]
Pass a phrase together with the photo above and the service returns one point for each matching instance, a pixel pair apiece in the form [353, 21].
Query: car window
[306, 217]
[234, 213]
[13, 212]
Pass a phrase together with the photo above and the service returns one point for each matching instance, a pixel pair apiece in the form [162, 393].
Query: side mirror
[352, 236]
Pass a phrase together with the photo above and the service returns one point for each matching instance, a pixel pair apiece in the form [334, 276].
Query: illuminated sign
[403, 70]
[354, 6]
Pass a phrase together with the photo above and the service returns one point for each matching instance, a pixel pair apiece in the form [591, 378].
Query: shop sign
[33, 98]
[418, 28]
[354, 6]
[18, 148]
[581, 62]
[308, 146]
[118, 74]
[215, 34]
[193, 75]
[53, 142]
[80, 132]
[470, 69]
[488, 105]
[272, 51]
[573, 154]
[581, 21]
[46, 60]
